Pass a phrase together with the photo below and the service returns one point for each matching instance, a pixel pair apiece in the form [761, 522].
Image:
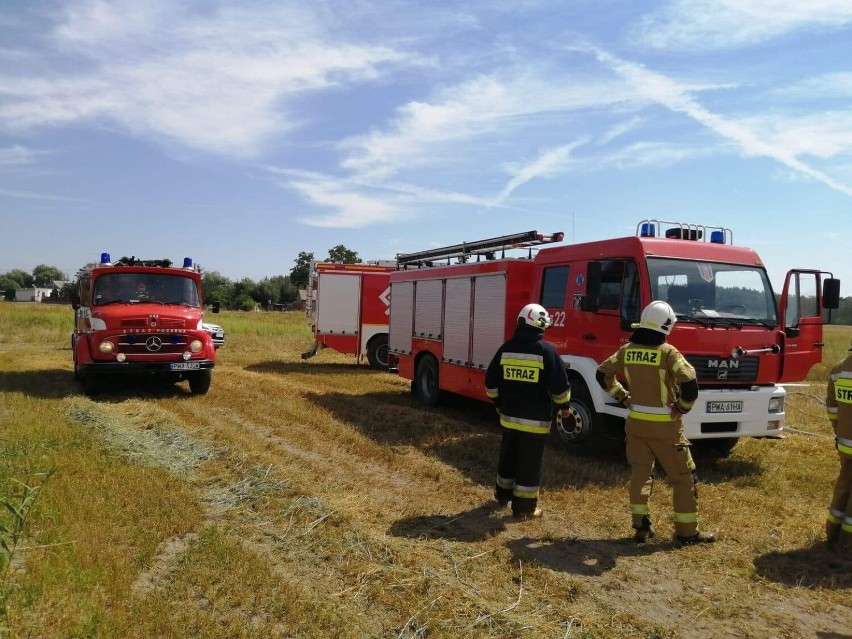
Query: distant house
[37, 294]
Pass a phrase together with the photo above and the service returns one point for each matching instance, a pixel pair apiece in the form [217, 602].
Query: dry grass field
[314, 499]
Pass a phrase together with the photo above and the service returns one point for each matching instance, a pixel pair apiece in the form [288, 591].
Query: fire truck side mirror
[215, 307]
[831, 293]
[75, 300]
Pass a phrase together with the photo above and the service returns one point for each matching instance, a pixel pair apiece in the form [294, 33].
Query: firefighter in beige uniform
[838, 403]
[663, 388]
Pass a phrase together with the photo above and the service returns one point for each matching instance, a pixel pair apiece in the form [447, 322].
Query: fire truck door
[338, 303]
[801, 322]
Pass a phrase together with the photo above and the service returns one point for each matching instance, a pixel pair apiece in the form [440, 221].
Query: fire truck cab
[744, 342]
[140, 318]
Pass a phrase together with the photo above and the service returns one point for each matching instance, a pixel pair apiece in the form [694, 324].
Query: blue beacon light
[105, 258]
[717, 237]
[187, 262]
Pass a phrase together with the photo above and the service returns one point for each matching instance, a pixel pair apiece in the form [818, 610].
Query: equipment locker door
[338, 303]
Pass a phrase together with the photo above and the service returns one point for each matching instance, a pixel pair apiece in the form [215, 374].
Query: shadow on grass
[468, 526]
[44, 384]
[462, 433]
[818, 566]
[56, 384]
[278, 367]
[586, 557]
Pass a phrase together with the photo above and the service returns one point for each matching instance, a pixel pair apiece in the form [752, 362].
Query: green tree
[299, 273]
[21, 278]
[8, 285]
[44, 275]
[216, 288]
[342, 254]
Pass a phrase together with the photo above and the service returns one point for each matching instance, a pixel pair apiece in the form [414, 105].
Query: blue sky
[240, 133]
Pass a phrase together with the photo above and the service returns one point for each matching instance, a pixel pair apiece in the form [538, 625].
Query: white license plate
[219, 334]
[724, 407]
[184, 366]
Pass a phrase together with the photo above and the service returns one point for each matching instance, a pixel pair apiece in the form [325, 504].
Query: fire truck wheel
[199, 383]
[425, 385]
[577, 427]
[377, 353]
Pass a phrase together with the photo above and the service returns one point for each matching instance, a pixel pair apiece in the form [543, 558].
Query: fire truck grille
[724, 369]
[152, 343]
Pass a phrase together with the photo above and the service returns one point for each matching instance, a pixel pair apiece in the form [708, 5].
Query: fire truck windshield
[714, 291]
[147, 287]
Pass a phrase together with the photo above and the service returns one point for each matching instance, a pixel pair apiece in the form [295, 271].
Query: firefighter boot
[697, 538]
[644, 531]
[502, 501]
[832, 532]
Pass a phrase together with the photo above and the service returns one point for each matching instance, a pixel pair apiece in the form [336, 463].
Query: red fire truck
[140, 318]
[446, 322]
[347, 307]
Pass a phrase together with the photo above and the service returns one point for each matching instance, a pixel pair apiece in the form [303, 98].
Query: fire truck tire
[199, 383]
[577, 427]
[425, 385]
[378, 353]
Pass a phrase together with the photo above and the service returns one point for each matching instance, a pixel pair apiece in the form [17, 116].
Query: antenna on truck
[486, 248]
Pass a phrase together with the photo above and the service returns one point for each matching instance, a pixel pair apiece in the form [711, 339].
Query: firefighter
[525, 379]
[663, 388]
[838, 403]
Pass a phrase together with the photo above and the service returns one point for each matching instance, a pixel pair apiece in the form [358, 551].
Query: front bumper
[146, 368]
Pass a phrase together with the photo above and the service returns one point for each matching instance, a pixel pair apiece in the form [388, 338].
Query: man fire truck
[140, 318]
[447, 321]
[347, 308]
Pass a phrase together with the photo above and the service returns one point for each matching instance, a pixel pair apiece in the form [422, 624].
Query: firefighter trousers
[839, 524]
[667, 445]
[519, 469]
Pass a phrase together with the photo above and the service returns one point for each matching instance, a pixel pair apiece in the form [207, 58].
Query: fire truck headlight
[776, 404]
[196, 345]
[107, 347]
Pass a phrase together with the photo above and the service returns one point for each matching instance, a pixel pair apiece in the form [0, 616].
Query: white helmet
[535, 315]
[658, 316]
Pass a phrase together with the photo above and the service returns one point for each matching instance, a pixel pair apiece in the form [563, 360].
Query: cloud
[18, 155]
[668, 93]
[547, 163]
[721, 24]
[218, 81]
[429, 133]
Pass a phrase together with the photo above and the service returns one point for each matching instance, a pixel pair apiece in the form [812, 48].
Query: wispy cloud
[18, 155]
[216, 81]
[668, 93]
[29, 195]
[427, 133]
[720, 24]
[549, 162]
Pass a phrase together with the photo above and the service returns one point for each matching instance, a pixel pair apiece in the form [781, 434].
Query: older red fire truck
[347, 308]
[140, 318]
[446, 322]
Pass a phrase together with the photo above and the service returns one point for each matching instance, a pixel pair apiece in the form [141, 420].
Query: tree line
[277, 292]
[272, 293]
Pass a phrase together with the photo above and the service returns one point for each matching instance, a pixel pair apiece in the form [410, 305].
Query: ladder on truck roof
[487, 248]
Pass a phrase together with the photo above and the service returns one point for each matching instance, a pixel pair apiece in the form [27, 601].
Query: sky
[242, 133]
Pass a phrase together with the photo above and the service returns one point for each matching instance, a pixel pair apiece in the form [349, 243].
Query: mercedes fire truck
[448, 320]
[141, 318]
